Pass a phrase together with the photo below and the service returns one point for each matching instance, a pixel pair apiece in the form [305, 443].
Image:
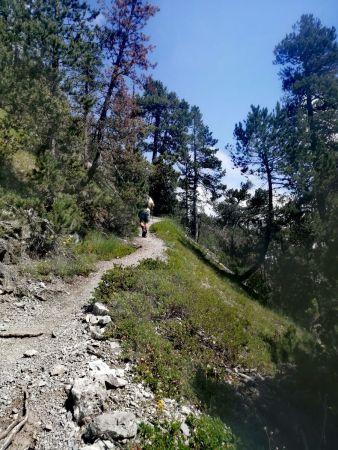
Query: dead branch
[19, 426]
[19, 335]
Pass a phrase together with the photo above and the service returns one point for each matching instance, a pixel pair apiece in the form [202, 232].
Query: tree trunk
[156, 135]
[194, 192]
[86, 137]
[320, 196]
[98, 137]
[268, 228]
[187, 196]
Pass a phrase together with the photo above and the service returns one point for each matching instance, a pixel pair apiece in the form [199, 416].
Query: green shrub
[206, 433]
[66, 215]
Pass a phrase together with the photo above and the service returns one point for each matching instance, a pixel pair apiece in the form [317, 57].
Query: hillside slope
[195, 335]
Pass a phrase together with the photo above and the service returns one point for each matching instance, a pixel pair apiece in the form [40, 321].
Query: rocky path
[66, 361]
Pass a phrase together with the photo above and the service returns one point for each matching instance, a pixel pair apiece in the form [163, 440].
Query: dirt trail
[64, 342]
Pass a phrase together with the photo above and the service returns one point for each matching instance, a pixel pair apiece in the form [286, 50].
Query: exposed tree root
[16, 426]
[9, 428]
[19, 335]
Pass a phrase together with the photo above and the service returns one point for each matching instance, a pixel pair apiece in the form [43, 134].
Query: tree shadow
[294, 410]
[217, 267]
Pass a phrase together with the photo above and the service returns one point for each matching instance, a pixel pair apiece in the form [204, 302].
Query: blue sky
[217, 54]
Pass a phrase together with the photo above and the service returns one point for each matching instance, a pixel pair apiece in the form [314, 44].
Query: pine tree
[258, 151]
[168, 118]
[309, 60]
[202, 170]
[126, 52]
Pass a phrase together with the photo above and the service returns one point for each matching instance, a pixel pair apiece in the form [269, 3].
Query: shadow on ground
[295, 410]
[216, 267]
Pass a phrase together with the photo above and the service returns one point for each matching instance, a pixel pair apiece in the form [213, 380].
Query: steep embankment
[194, 334]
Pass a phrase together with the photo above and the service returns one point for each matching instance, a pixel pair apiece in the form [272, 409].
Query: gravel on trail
[46, 366]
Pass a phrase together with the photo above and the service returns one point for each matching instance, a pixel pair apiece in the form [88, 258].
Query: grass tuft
[79, 259]
[103, 247]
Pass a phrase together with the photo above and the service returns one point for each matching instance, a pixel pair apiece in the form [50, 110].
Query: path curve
[64, 342]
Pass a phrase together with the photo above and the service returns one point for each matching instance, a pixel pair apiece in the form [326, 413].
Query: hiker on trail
[144, 216]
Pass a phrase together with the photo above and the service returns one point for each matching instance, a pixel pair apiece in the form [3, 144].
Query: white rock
[119, 373]
[147, 394]
[185, 429]
[115, 382]
[88, 397]
[115, 347]
[100, 310]
[30, 353]
[58, 370]
[185, 410]
[116, 425]
[90, 318]
[100, 366]
[103, 320]
[96, 332]
[48, 427]
[19, 305]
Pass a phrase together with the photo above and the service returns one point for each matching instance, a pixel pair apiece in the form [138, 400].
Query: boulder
[111, 378]
[185, 429]
[87, 396]
[115, 382]
[93, 320]
[97, 332]
[100, 310]
[100, 366]
[103, 320]
[117, 425]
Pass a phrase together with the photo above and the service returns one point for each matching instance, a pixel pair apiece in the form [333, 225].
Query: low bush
[206, 433]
